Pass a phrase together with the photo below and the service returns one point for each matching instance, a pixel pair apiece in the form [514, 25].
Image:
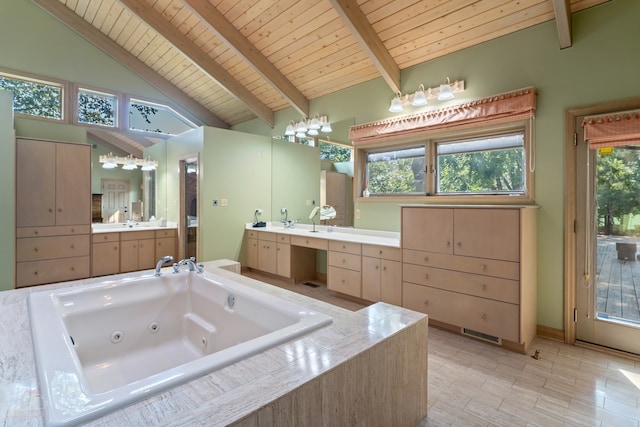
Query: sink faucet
[163, 260]
[191, 264]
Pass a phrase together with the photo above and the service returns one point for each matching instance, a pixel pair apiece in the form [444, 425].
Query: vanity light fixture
[443, 92]
[305, 127]
[129, 162]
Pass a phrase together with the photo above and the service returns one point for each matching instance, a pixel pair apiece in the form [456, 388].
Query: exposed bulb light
[307, 128]
[446, 92]
[109, 161]
[419, 98]
[315, 124]
[301, 126]
[396, 104]
[129, 162]
[312, 132]
[148, 165]
[326, 128]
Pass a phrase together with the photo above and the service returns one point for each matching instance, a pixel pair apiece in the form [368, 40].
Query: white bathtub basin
[100, 347]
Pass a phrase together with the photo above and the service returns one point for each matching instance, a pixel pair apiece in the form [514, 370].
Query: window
[400, 171]
[34, 97]
[97, 108]
[155, 117]
[488, 165]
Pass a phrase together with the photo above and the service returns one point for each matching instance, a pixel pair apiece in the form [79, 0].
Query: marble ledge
[222, 397]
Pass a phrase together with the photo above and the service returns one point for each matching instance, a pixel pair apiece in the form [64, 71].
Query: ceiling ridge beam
[187, 105]
[219, 24]
[562, 12]
[369, 41]
[201, 59]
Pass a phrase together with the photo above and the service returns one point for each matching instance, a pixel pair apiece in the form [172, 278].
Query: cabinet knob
[73, 269]
[459, 244]
[35, 249]
[344, 260]
[484, 267]
[448, 243]
[426, 276]
[50, 210]
[376, 267]
[426, 259]
[59, 210]
[380, 252]
[384, 268]
[115, 248]
[35, 232]
[426, 302]
[35, 273]
[484, 287]
[73, 247]
[484, 316]
[73, 230]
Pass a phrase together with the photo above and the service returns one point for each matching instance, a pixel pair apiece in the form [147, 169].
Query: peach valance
[612, 130]
[506, 107]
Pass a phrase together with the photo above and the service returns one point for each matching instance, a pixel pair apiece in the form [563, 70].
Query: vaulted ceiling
[228, 61]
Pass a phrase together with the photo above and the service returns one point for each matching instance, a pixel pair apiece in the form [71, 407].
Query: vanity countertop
[123, 228]
[221, 397]
[343, 234]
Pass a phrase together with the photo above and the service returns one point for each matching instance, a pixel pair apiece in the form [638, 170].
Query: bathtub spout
[163, 260]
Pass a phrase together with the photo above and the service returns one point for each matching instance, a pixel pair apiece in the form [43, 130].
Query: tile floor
[472, 383]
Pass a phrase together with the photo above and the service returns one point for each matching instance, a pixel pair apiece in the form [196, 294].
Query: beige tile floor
[472, 383]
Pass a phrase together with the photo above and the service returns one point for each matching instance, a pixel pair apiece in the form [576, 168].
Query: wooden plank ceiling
[228, 61]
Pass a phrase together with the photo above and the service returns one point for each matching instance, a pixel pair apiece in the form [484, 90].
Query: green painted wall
[601, 66]
[7, 207]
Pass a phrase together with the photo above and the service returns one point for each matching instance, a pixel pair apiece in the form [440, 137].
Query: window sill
[452, 200]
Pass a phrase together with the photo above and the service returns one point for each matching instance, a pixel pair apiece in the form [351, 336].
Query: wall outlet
[224, 202]
[357, 215]
[308, 202]
[283, 211]
[259, 211]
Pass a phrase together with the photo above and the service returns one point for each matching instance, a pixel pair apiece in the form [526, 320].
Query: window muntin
[34, 97]
[394, 172]
[488, 165]
[97, 108]
[154, 117]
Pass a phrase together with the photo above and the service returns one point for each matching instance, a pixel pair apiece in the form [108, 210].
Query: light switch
[224, 202]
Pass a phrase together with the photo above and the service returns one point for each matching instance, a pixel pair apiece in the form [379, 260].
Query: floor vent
[481, 336]
[311, 284]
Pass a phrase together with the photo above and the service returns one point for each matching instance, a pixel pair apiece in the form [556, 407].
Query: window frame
[430, 140]
[126, 125]
[118, 116]
[36, 78]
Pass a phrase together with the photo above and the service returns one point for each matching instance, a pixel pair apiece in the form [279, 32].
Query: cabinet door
[371, 278]
[35, 183]
[146, 254]
[252, 253]
[391, 282]
[487, 233]
[165, 246]
[73, 184]
[128, 256]
[283, 260]
[428, 229]
[267, 256]
[105, 258]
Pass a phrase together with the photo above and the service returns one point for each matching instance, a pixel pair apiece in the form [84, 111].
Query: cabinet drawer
[171, 232]
[348, 247]
[487, 267]
[284, 238]
[309, 242]
[344, 260]
[344, 281]
[63, 230]
[265, 235]
[384, 252]
[473, 284]
[479, 314]
[137, 235]
[50, 271]
[251, 234]
[106, 237]
[38, 248]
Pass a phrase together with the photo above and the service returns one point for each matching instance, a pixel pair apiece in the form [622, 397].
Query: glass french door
[608, 245]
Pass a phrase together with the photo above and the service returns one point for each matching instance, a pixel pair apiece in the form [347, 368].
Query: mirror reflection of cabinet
[335, 191]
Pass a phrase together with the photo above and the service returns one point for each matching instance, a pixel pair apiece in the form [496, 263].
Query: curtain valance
[612, 130]
[506, 107]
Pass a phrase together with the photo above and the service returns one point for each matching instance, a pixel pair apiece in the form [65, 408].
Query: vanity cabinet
[269, 252]
[251, 255]
[166, 243]
[105, 258]
[382, 274]
[473, 269]
[283, 255]
[344, 262]
[137, 251]
[53, 211]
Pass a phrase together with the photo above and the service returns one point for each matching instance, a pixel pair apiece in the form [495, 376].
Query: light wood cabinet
[382, 274]
[105, 257]
[473, 268]
[251, 260]
[53, 211]
[137, 251]
[269, 252]
[283, 256]
[335, 191]
[166, 243]
[344, 262]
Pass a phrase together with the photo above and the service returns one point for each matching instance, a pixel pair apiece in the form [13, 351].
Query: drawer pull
[484, 267]
[50, 210]
[426, 276]
[448, 243]
[426, 259]
[35, 249]
[344, 260]
[73, 247]
[484, 287]
[380, 252]
[73, 230]
[35, 232]
[384, 268]
[459, 244]
[35, 273]
[484, 316]
[73, 269]
[426, 302]
[115, 248]
[344, 247]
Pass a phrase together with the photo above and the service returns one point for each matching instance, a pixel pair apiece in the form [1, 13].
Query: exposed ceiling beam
[217, 23]
[207, 64]
[187, 106]
[369, 41]
[562, 12]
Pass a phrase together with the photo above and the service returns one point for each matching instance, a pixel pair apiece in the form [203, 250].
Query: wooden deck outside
[618, 281]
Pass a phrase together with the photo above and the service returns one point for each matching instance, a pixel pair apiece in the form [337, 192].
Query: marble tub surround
[263, 384]
[343, 234]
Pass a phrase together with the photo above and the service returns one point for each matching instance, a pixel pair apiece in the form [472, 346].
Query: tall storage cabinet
[473, 269]
[53, 211]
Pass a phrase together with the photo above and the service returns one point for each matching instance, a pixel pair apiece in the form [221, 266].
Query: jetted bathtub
[102, 346]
